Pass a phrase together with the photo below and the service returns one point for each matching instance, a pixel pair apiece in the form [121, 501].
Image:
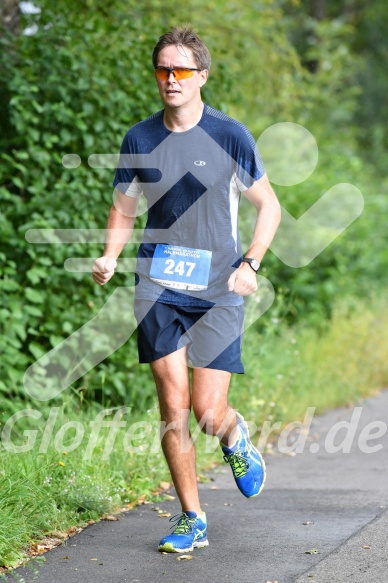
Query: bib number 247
[181, 267]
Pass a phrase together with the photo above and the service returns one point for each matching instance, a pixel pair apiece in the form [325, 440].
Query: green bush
[78, 83]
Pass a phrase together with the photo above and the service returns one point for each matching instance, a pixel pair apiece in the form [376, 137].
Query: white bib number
[181, 267]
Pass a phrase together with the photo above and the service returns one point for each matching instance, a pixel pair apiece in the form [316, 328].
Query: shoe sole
[169, 548]
[200, 544]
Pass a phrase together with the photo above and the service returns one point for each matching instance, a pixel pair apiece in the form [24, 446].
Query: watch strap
[253, 263]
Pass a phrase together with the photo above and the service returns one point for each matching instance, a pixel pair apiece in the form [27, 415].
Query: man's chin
[171, 103]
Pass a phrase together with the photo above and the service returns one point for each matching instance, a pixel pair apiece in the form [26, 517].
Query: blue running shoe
[247, 465]
[189, 532]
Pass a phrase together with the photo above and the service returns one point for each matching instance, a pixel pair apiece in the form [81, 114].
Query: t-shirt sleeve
[126, 180]
[249, 167]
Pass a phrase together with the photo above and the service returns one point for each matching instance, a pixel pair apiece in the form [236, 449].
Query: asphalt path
[322, 517]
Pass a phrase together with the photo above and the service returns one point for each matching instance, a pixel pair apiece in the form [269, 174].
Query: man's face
[177, 93]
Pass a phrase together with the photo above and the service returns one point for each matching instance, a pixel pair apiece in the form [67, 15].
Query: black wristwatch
[253, 263]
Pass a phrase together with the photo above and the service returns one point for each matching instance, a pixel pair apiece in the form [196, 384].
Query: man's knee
[176, 423]
[209, 420]
[171, 414]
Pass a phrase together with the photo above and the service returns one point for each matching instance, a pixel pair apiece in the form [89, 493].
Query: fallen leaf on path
[65, 557]
[312, 552]
[183, 557]
[109, 517]
[366, 547]
[164, 514]
[308, 522]
[37, 549]
[164, 485]
[73, 530]
[59, 533]
[168, 497]
[214, 488]
[201, 478]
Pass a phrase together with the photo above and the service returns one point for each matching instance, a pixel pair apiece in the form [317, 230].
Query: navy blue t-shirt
[192, 182]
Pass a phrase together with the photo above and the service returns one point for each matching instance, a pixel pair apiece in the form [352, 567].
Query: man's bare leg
[172, 381]
[210, 404]
[209, 397]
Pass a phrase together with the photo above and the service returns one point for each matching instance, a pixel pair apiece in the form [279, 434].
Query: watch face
[252, 262]
[255, 264]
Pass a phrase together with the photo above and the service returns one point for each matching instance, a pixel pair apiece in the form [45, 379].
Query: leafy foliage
[74, 84]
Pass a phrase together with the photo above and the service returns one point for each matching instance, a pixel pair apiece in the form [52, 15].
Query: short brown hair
[187, 37]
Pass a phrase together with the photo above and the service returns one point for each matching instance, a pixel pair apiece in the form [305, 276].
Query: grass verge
[77, 462]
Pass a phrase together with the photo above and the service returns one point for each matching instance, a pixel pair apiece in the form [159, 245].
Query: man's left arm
[243, 280]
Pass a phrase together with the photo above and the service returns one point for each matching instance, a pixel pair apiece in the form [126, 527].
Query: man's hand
[243, 280]
[103, 269]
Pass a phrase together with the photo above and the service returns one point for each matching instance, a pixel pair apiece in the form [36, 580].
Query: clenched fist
[103, 269]
[243, 280]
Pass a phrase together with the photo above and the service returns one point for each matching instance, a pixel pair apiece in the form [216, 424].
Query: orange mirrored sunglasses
[179, 73]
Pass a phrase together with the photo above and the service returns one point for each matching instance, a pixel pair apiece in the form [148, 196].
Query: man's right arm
[119, 230]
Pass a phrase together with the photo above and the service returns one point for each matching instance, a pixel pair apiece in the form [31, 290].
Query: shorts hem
[238, 369]
[231, 369]
[156, 356]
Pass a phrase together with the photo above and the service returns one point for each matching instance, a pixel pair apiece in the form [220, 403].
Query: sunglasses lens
[182, 74]
[179, 73]
[162, 73]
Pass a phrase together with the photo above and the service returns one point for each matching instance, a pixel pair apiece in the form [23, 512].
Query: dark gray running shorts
[213, 336]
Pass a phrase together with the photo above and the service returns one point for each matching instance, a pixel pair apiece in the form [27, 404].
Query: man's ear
[203, 75]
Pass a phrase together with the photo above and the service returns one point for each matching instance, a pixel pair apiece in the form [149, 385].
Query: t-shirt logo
[200, 163]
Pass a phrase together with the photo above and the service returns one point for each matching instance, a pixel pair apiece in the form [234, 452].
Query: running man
[192, 162]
